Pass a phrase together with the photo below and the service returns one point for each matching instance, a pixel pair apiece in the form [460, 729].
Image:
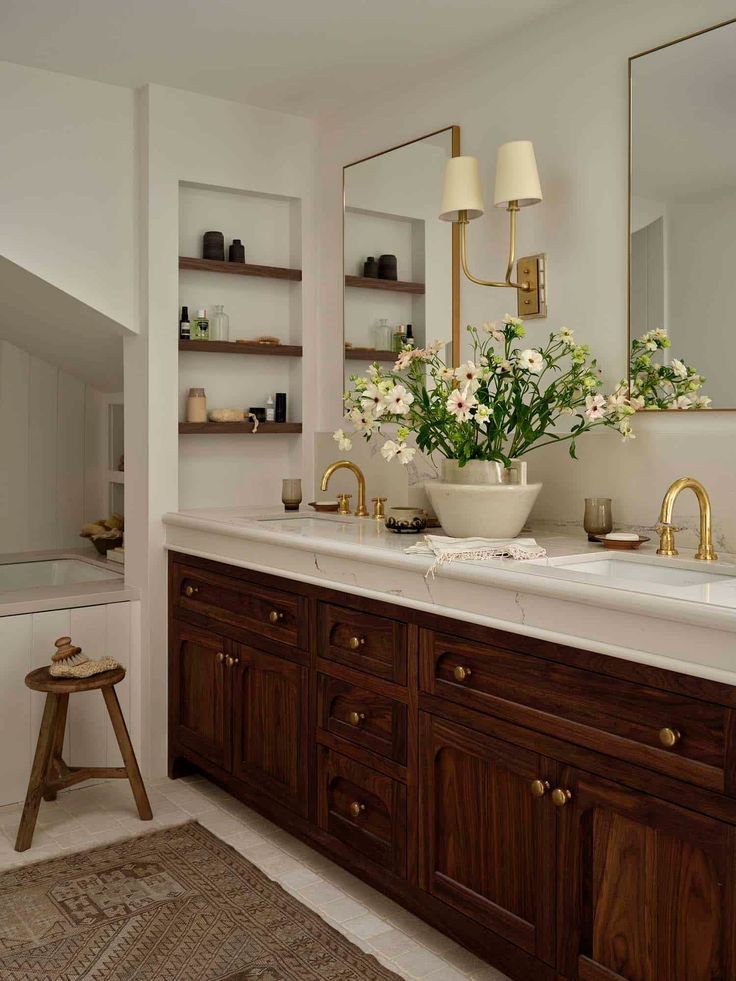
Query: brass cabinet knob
[274, 616]
[190, 590]
[669, 737]
[539, 787]
[356, 808]
[560, 797]
[356, 718]
[220, 656]
[460, 673]
[231, 661]
[355, 642]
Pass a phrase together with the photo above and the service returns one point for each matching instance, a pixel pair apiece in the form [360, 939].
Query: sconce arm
[463, 221]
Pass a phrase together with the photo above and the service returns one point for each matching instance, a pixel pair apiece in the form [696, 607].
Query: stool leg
[126, 751]
[58, 740]
[38, 774]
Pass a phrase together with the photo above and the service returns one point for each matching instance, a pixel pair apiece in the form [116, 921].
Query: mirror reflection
[683, 206]
[399, 260]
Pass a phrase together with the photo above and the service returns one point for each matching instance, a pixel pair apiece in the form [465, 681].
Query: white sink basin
[655, 573]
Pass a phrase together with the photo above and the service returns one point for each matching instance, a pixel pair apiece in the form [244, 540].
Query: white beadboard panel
[88, 721]
[16, 733]
[14, 365]
[70, 460]
[42, 456]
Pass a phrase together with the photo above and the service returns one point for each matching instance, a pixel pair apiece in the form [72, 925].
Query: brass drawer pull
[539, 787]
[356, 718]
[190, 590]
[231, 661]
[560, 797]
[356, 808]
[460, 673]
[274, 616]
[669, 737]
[220, 656]
[355, 642]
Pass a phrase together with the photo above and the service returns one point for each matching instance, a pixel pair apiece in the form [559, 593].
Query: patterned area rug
[175, 905]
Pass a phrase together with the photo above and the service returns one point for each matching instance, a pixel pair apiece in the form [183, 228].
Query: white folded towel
[447, 550]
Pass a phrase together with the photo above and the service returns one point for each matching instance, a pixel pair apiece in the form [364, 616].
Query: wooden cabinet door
[487, 845]
[270, 698]
[646, 888]
[200, 695]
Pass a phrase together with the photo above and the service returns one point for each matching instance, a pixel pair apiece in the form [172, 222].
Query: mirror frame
[454, 131]
[632, 59]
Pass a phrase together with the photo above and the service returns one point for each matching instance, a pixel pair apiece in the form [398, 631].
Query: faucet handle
[378, 511]
[343, 503]
[666, 525]
[666, 532]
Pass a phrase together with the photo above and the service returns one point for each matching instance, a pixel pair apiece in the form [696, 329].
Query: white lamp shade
[461, 190]
[517, 178]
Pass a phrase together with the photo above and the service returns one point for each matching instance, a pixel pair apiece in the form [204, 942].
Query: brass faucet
[360, 511]
[667, 530]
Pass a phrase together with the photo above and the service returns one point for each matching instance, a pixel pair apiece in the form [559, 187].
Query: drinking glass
[291, 493]
[597, 519]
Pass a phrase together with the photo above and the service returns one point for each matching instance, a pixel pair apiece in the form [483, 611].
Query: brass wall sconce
[517, 186]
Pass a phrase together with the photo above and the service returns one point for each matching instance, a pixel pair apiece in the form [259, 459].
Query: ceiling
[298, 56]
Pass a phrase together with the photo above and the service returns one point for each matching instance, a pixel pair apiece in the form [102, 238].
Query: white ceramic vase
[482, 499]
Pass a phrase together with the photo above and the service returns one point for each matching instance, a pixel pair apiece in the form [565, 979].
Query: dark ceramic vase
[387, 267]
[236, 252]
[213, 246]
[370, 268]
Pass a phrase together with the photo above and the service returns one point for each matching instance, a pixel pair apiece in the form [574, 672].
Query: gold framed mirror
[682, 211]
[400, 262]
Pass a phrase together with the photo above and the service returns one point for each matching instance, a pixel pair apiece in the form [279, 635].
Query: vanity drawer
[363, 809]
[375, 722]
[610, 715]
[376, 645]
[267, 612]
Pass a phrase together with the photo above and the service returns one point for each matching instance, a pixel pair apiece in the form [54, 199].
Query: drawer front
[363, 809]
[363, 717]
[271, 613]
[616, 717]
[376, 645]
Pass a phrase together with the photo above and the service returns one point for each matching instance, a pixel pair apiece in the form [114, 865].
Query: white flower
[373, 399]
[595, 407]
[651, 345]
[398, 400]
[447, 374]
[363, 420]
[679, 367]
[405, 453]
[682, 402]
[617, 402]
[512, 321]
[531, 360]
[566, 336]
[702, 402]
[482, 413]
[391, 449]
[468, 376]
[503, 367]
[492, 328]
[406, 357]
[460, 403]
[624, 427]
[343, 441]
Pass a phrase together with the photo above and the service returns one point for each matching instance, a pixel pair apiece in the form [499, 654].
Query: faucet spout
[666, 528]
[361, 511]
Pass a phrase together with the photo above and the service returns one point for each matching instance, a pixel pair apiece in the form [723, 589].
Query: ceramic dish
[618, 545]
[406, 521]
[323, 505]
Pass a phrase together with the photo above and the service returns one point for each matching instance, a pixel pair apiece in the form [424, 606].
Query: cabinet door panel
[200, 702]
[645, 888]
[487, 845]
[270, 725]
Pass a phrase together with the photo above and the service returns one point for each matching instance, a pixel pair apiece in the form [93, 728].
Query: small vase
[213, 246]
[219, 324]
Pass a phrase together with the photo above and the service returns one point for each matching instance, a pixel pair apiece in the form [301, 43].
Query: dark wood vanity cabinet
[568, 816]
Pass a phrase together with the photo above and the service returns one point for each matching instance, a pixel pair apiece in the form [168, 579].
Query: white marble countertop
[690, 623]
[36, 599]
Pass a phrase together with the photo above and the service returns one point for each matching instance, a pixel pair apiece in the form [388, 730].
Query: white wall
[68, 191]
[51, 445]
[562, 83]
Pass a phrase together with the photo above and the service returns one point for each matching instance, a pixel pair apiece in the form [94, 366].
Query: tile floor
[94, 815]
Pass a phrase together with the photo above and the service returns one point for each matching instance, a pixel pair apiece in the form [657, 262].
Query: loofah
[70, 662]
[227, 415]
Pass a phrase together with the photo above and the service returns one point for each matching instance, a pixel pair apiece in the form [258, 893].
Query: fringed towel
[447, 550]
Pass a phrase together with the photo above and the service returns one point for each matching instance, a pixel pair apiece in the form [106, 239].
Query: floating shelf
[242, 347]
[368, 354]
[395, 285]
[235, 428]
[240, 268]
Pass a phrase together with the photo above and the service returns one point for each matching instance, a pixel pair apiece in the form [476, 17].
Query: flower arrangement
[507, 400]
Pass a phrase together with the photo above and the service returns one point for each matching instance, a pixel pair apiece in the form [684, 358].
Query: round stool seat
[41, 680]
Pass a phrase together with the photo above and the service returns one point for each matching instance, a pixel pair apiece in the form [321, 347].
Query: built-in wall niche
[114, 453]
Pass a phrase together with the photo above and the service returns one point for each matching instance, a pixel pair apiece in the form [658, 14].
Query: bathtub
[52, 572]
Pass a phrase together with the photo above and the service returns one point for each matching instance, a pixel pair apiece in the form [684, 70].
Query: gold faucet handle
[343, 503]
[667, 526]
[666, 532]
[378, 511]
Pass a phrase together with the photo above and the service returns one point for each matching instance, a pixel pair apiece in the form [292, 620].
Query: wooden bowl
[620, 546]
[327, 506]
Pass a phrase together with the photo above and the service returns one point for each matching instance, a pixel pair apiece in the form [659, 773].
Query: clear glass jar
[219, 324]
[383, 335]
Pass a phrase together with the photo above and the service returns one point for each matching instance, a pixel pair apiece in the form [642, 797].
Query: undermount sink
[640, 571]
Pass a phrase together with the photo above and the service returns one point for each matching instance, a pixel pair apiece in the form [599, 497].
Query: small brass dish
[327, 506]
[621, 546]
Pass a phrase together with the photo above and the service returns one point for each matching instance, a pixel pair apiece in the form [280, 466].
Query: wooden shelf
[242, 347]
[395, 285]
[368, 354]
[240, 268]
[238, 428]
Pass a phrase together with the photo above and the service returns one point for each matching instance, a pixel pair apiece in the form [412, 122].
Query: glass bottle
[383, 335]
[219, 324]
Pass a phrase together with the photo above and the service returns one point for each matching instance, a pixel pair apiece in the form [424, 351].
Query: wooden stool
[49, 772]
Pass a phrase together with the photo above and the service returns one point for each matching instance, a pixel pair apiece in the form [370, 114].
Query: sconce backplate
[532, 303]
